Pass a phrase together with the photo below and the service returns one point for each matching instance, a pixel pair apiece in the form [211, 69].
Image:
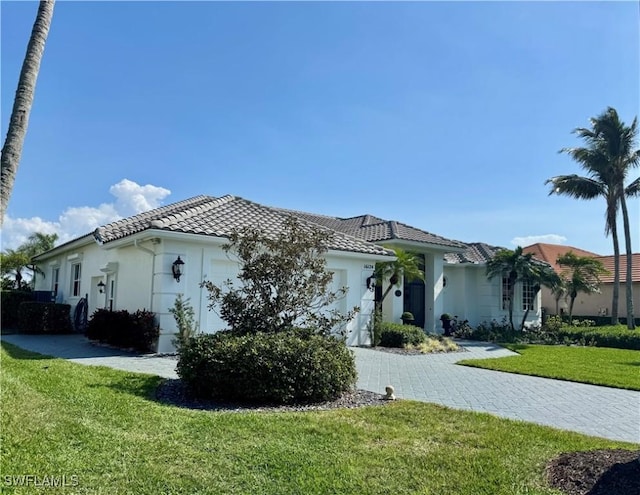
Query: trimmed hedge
[10, 301]
[137, 331]
[619, 337]
[267, 368]
[44, 318]
[399, 335]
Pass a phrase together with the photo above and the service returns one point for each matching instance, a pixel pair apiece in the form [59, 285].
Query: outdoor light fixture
[176, 269]
[101, 287]
[371, 282]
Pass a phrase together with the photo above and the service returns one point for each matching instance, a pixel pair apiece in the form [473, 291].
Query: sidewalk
[589, 409]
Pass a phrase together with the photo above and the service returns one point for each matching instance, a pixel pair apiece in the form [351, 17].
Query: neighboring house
[128, 265]
[469, 295]
[597, 304]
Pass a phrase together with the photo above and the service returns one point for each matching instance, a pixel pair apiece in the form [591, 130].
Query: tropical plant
[18, 123]
[406, 266]
[14, 262]
[582, 274]
[607, 158]
[518, 266]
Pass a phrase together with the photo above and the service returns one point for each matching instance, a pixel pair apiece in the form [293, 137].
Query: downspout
[153, 267]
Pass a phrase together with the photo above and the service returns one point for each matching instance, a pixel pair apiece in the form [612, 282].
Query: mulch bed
[173, 392]
[596, 472]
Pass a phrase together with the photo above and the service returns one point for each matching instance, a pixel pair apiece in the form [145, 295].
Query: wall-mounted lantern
[101, 286]
[176, 269]
[371, 282]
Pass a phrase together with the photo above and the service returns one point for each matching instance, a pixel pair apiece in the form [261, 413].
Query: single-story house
[596, 304]
[128, 264]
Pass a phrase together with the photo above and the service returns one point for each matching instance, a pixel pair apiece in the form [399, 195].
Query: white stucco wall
[143, 280]
[471, 296]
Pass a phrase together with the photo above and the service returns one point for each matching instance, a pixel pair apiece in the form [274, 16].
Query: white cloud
[131, 198]
[533, 239]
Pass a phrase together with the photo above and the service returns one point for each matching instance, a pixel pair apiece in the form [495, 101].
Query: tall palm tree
[582, 274]
[406, 266]
[517, 266]
[607, 158]
[12, 149]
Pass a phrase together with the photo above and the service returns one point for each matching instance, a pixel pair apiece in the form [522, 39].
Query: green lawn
[100, 426]
[596, 365]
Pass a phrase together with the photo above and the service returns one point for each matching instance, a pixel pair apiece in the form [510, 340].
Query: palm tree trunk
[616, 274]
[573, 299]
[17, 130]
[629, 282]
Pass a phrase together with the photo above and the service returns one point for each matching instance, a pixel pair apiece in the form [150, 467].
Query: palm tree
[607, 158]
[406, 266]
[582, 274]
[12, 149]
[537, 275]
[13, 262]
[516, 266]
[37, 243]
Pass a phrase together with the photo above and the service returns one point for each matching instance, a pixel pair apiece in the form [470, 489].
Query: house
[129, 265]
[597, 304]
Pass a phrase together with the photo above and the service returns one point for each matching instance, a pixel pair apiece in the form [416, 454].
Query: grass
[100, 428]
[618, 368]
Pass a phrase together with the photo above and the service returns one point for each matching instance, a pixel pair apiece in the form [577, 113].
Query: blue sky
[447, 116]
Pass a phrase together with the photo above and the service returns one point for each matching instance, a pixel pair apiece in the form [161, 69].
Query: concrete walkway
[589, 409]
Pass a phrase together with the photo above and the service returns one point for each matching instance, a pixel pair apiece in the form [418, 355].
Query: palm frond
[576, 186]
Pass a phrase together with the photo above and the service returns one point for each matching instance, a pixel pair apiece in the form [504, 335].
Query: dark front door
[414, 301]
[414, 297]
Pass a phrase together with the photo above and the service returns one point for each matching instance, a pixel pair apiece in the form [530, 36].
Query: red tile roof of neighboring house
[550, 253]
[607, 261]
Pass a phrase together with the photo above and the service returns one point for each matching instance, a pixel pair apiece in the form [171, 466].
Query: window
[55, 276]
[528, 296]
[75, 279]
[112, 293]
[506, 287]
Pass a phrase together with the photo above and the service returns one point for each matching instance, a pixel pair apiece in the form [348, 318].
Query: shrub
[184, 315]
[397, 335]
[123, 329]
[44, 318]
[298, 366]
[10, 301]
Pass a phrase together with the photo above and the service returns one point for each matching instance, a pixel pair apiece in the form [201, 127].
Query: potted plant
[446, 323]
[407, 318]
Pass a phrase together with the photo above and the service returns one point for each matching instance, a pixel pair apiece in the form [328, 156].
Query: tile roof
[476, 253]
[374, 229]
[607, 261]
[210, 216]
[550, 253]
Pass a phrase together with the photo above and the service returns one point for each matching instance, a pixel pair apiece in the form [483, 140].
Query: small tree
[582, 274]
[406, 266]
[518, 266]
[184, 315]
[283, 282]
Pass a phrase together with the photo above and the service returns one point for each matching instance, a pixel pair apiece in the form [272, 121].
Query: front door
[414, 297]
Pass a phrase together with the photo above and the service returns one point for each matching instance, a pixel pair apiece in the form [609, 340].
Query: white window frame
[76, 279]
[528, 296]
[55, 280]
[504, 293]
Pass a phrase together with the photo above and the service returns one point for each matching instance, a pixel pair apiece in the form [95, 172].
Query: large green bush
[44, 318]
[398, 335]
[137, 331]
[298, 366]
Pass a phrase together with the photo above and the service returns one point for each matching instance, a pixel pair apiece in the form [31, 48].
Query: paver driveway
[593, 410]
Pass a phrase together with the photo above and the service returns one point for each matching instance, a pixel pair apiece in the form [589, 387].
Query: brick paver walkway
[599, 411]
